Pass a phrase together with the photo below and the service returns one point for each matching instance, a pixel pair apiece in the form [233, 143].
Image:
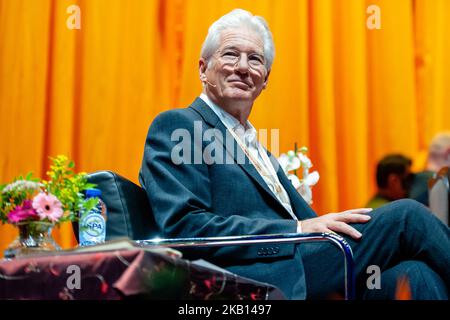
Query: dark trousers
[402, 239]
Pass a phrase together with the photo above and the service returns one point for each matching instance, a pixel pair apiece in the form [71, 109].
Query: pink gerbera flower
[23, 212]
[48, 206]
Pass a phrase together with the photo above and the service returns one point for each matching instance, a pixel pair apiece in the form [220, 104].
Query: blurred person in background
[438, 157]
[394, 180]
[439, 152]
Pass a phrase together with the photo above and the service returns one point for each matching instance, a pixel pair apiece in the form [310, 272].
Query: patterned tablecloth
[123, 274]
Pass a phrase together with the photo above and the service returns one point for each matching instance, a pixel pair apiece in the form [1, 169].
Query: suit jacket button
[276, 250]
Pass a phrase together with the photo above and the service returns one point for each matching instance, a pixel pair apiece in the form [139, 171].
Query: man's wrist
[299, 227]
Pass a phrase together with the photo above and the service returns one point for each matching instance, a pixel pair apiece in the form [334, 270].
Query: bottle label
[92, 229]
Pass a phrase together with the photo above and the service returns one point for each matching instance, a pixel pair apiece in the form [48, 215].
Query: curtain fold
[348, 93]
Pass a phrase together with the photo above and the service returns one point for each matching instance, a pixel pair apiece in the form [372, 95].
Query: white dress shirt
[248, 137]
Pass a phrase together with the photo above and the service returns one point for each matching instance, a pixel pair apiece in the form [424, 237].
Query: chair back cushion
[419, 187]
[128, 210]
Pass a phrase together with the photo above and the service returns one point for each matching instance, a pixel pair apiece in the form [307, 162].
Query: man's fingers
[358, 210]
[342, 227]
[353, 218]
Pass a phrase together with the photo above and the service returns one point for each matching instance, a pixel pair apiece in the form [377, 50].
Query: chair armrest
[337, 240]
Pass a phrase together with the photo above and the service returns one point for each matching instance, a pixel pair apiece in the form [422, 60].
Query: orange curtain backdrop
[432, 51]
[348, 93]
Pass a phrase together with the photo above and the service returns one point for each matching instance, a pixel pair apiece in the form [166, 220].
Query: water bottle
[92, 226]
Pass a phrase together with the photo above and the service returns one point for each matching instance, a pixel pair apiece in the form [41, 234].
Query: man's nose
[242, 64]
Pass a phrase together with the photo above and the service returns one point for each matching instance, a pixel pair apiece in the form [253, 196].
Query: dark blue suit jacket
[209, 200]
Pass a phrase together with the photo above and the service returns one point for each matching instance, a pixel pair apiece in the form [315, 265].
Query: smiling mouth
[240, 84]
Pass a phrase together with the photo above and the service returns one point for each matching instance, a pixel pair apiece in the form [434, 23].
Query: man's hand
[337, 222]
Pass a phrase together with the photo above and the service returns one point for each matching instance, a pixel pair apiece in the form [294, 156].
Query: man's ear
[266, 80]
[202, 66]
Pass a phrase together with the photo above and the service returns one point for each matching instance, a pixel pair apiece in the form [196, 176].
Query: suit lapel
[285, 182]
[232, 148]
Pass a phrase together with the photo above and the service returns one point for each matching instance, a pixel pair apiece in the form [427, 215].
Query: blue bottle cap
[91, 193]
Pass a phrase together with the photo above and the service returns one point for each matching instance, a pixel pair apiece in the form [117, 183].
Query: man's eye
[230, 54]
[256, 59]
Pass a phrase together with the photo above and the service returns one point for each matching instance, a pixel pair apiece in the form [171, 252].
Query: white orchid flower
[289, 162]
[293, 161]
[294, 180]
[306, 192]
[306, 162]
[312, 178]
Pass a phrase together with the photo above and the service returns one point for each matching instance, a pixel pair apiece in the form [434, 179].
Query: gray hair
[441, 140]
[235, 19]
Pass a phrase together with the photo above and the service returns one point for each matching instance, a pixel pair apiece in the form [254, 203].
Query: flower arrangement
[56, 200]
[290, 163]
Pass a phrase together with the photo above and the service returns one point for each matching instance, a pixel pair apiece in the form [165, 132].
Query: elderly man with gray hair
[439, 152]
[195, 192]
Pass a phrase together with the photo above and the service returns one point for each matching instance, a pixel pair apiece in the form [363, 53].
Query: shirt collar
[248, 133]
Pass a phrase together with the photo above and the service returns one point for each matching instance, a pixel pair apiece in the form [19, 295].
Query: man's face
[236, 72]
[438, 157]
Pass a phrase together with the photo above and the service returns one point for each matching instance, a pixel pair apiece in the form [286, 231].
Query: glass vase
[34, 237]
